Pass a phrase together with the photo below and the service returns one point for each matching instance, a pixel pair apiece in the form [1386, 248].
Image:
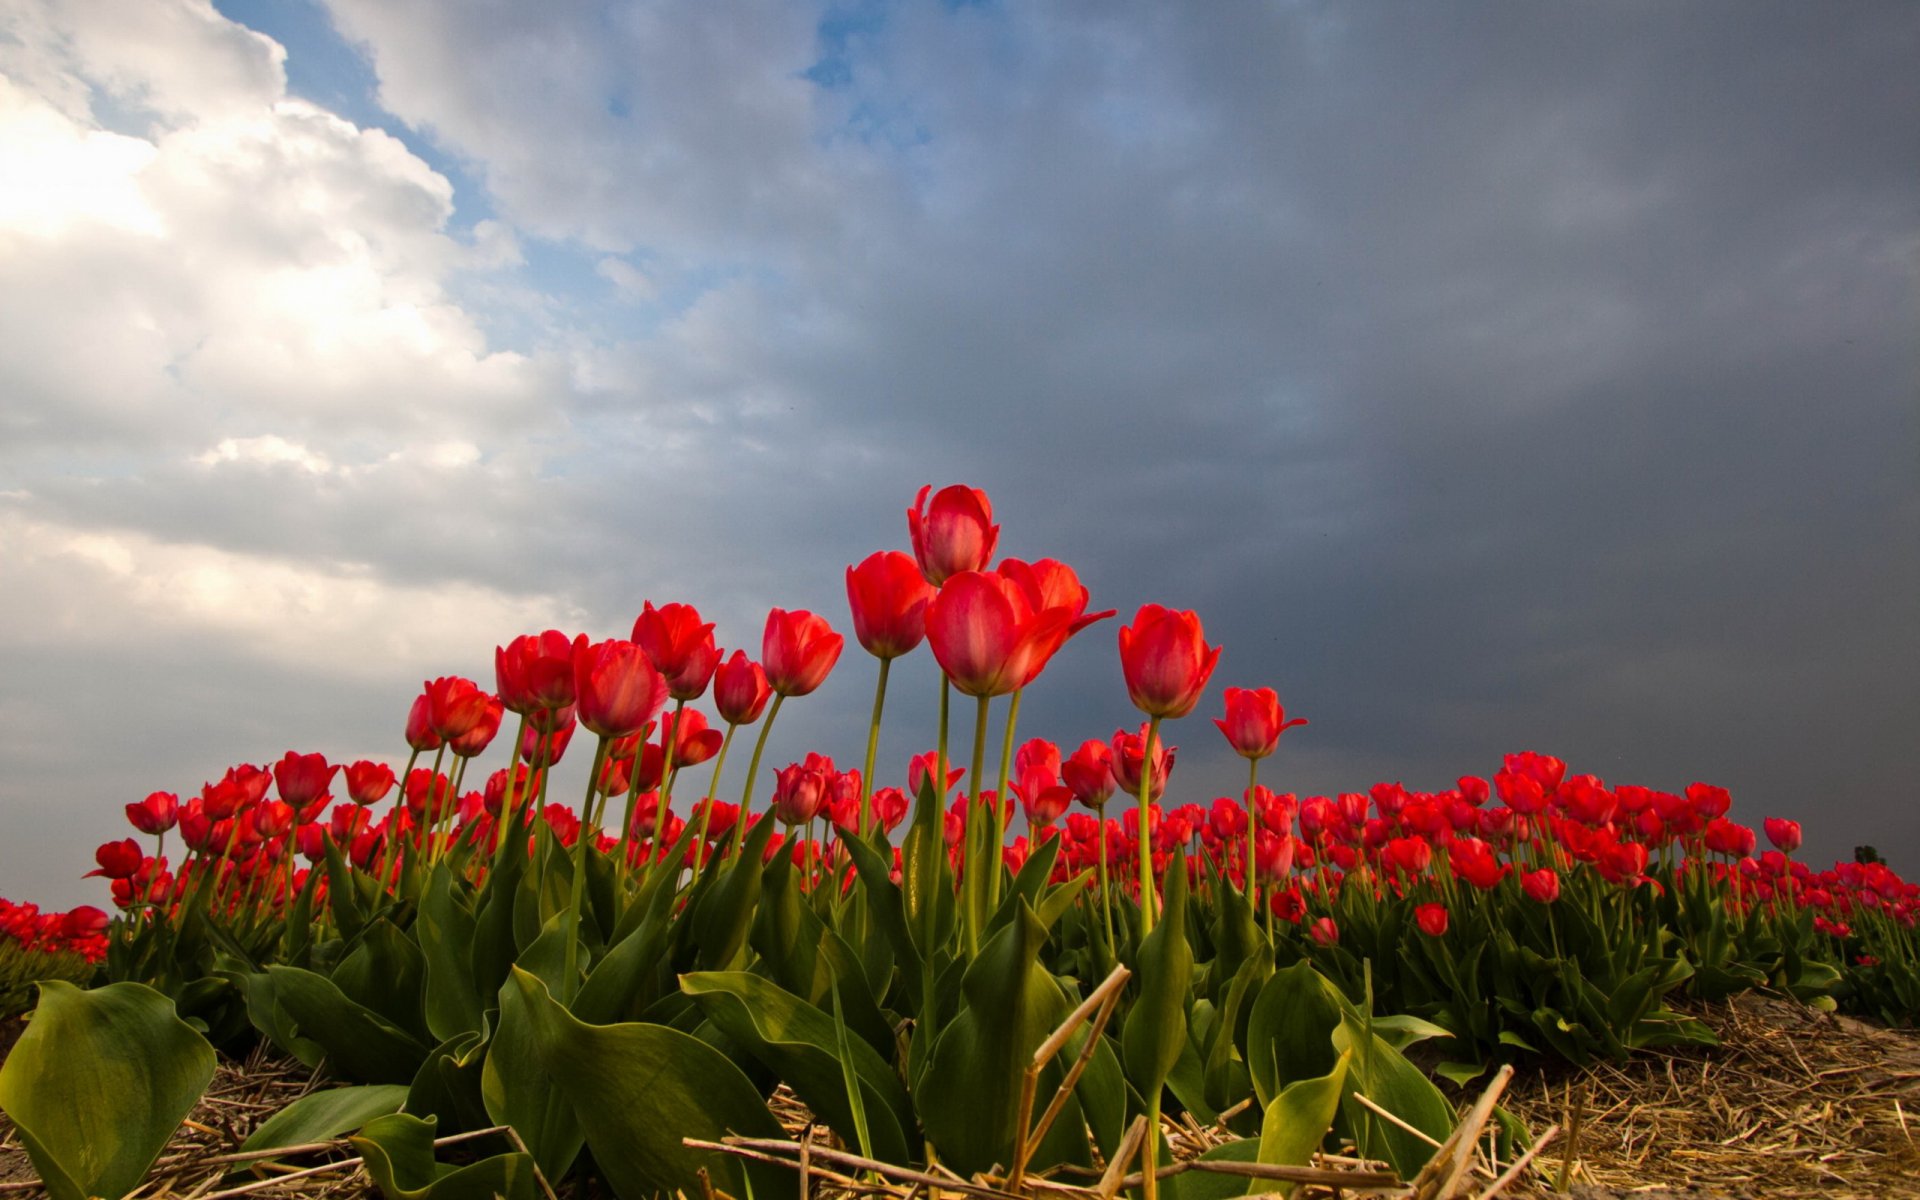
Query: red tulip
[1166, 660]
[368, 782]
[303, 778]
[273, 819]
[1726, 837]
[798, 649]
[800, 793]
[955, 534]
[1049, 583]
[1473, 861]
[889, 807]
[920, 769]
[987, 636]
[545, 741]
[1036, 783]
[617, 689]
[1088, 773]
[1254, 721]
[420, 735]
[740, 690]
[1129, 753]
[156, 814]
[680, 645]
[1324, 932]
[535, 671]
[474, 741]
[1542, 886]
[1273, 855]
[1784, 834]
[1432, 919]
[1410, 855]
[118, 860]
[693, 742]
[889, 597]
[454, 705]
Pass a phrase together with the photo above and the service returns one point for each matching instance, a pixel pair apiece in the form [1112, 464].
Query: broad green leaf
[1298, 1120]
[1290, 1034]
[98, 1083]
[719, 921]
[1156, 1028]
[515, 1084]
[398, 1151]
[1401, 1030]
[637, 1090]
[270, 1018]
[798, 1042]
[447, 1086]
[360, 1044]
[1214, 1185]
[321, 1116]
[446, 932]
[1385, 1077]
[387, 973]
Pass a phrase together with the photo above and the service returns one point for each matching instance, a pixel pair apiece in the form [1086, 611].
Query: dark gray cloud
[1487, 378]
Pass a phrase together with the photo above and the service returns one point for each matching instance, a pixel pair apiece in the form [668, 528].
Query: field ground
[1793, 1104]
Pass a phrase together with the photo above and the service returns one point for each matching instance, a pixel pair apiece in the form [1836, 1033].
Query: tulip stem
[1000, 793]
[706, 808]
[672, 740]
[568, 980]
[1146, 840]
[392, 839]
[1253, 830]
[505, 820]
[1106, 890]
[753, 770]
[975, 863]
[873, 748]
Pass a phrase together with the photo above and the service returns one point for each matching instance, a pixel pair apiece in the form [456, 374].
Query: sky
[1488, 377]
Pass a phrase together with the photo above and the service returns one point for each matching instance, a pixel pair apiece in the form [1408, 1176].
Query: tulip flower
[740, 690]
[800, 794]
[368, 782]
[454, 706]
[986, 635]
[1037, 783]
[1784, 834]
[923, 765]
[1254, 722]
[798, 650]
[420, 735]
[1432, 919]
[118, 860]
[475, 741]
[156, 814]
[1128, 757]
[535, 671]
[693, 742]
[680, 645]
[889, 597]
[617, 688]
[1049, 583]
[1542, 886]
[955, 533]
[1324, 932]
[1166, 660]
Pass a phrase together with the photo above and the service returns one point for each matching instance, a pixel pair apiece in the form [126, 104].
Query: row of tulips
[37, 945]
[649, 962]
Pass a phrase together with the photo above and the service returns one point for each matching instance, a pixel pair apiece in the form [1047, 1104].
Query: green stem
[569, 980]
[1146, 865]
[633, 791]
[1106, 889]
[1000, 796]
[973, 883]
[753, 772]
[873, 748]
[1253, 831]
[505, 821]
[432, 818]
[706, 809]
[392, 839]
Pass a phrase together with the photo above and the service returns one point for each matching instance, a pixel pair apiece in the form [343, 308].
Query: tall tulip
[1253, 725]
[618, 691]
[988, 637]
[888, 596]
[535, 671]
[740, 692]
[680, 645]
[955, 533]
[1167, 662]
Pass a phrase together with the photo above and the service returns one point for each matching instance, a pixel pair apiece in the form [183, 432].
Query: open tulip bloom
[909, 938]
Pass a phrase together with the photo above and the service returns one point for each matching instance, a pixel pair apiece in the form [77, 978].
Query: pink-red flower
[1431, 918]
[680, 645]
[1036, 783]
[1254, 722]
[740, 690]
[1324, 932]
[1049, 583]
[618, 691]
[955, 533]
[474, 741]
[368, 782]
[535, 671]
[1542, 886]
[889, 597]
[801, 792]
[693, 742]
[798, 650]
[987, 635]
[1129, 755]
[1784, 834]
[156, 814]
[1166, 660]
[118, 860]
[454, 705]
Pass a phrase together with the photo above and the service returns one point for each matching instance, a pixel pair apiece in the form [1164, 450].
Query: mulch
[1793, 1104]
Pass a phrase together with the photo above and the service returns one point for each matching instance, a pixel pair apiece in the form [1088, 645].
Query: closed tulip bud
[1432, 919]
[1784, 834]
[799, 795]
[1088, 773]
[475, 741]
[888, 596]
[617, 689]
[680, 645]
[1166, 660]
[1129, 753]
[889, 807]
[454, 706]
[420, 735]
[369, 782]
[1409, 855]
[1324, 932]
[1542, 886]
[740, 690]
[955, 533]
[273, 819]
[798, 650]
[156, 814]
[303, 778]
[1254, 721]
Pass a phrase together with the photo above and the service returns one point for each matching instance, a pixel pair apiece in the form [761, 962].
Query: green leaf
[1298, 1119]
[387, 973]
[360, 1044]
[97, 1084]
[398, 1151]
[1156, 1027]
[447, 1085]
[1401, 1030]
[1290, 1034]
[322, 1116]
[798, 1043]
[515, 1085]
[1385, 1077]
[719, 920]
[1215, 1185]
[446, 932]
[637, 1090]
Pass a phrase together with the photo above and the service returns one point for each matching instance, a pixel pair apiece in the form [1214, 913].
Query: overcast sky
[1488, 377]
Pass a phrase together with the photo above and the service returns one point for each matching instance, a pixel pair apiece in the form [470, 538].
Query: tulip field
[1018, 970]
